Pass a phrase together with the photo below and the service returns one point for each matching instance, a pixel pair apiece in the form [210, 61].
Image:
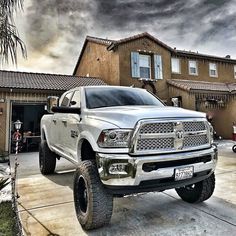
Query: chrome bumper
[134, 173]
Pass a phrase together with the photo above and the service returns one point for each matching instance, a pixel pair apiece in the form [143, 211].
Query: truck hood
[128, 116]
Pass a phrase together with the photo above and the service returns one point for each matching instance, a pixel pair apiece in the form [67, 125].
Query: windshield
[109, 97]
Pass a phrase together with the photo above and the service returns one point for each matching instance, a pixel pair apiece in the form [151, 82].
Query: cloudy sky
[54, 30]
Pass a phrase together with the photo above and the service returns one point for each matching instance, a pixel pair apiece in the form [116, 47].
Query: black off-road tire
[93, 204]
[47, 159]
[198, 192]
[234, 148]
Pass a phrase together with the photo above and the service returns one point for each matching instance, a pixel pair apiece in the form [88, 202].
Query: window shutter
[158, 67]
[135, 65]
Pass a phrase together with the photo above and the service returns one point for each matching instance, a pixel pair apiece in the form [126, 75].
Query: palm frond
[4, 183]
[9, 37]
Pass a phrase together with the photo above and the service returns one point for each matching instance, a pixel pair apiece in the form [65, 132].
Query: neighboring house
[191, 80]
[23, 97]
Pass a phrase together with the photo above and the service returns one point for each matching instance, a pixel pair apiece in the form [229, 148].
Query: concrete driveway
[46, 204]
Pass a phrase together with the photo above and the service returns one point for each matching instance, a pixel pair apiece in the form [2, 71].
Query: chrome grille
[194, 126]
[193, 141]
[157, 128]
[155, 136]
[153, 144]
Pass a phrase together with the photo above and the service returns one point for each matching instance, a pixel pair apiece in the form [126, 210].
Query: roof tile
[192, 85]
[41, 81]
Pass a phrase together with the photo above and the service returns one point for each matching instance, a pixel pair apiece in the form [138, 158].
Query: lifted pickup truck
[125, 140]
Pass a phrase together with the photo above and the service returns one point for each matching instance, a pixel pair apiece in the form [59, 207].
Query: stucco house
[188, 79]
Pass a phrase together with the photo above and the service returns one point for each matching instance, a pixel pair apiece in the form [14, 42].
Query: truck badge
[74, 133]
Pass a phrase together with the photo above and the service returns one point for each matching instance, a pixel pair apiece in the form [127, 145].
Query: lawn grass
[7, 220]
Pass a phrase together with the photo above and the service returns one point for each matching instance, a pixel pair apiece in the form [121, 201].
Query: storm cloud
[54, 30]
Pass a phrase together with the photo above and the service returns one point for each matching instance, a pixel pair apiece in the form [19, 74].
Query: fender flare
[85, 135]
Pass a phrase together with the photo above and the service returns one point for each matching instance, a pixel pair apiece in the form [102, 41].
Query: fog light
[118, 169]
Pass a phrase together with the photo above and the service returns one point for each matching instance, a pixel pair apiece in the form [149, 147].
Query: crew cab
[124, 140]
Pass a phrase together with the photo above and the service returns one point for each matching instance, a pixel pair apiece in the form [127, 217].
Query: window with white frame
[141, 66]
[145, 66]
[213, 70]
[235, 71]
[175, 65]
[192, 68]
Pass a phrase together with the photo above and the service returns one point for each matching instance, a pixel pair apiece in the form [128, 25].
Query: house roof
[204, 56]
[115, 43]
[41, 81]
[111, 44]
[100, 40]
[196, 86]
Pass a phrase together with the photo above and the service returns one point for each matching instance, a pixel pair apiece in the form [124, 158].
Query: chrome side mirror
[52, 101]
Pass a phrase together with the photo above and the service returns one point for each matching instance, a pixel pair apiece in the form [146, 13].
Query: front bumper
[135, 174]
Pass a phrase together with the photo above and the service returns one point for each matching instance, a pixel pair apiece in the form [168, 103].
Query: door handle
[54, 121]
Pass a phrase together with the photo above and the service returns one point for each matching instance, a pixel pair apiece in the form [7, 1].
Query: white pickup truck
[125, 140]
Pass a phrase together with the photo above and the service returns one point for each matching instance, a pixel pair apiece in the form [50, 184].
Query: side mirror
[52, 101]
[72, 110]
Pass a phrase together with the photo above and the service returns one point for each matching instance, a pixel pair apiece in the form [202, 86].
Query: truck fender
[90, 138]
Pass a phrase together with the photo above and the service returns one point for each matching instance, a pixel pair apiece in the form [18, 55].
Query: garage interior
[30, 116]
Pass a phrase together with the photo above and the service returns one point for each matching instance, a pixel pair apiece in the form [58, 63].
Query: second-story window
[141, 66]
[192, 68]
[213, 70]
[235, 71]
[145, 66]
[175, 65]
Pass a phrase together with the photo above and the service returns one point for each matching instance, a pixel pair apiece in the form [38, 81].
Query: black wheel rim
[190, 187]
[82, 195]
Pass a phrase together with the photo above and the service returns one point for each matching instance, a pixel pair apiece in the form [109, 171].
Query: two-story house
[187, 79]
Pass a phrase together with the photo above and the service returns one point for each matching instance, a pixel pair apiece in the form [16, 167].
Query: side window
[213, 70]
[66, 99]
[75, 101]
[175, 65]
[192, 68]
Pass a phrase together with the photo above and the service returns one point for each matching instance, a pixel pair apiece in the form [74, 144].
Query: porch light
[17, 124]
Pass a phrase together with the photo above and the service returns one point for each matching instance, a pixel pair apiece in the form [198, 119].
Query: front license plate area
[183, 173]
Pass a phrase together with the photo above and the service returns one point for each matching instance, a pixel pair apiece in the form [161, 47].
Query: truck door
[59, 124]
[72, 129]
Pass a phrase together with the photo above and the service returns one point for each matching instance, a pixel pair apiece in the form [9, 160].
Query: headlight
[119, 138]
[211, 130]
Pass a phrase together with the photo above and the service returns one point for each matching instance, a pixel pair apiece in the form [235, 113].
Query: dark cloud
[55, 30]
[56, 18]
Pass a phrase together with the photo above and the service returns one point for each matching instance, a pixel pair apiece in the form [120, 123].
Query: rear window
[109, 97]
